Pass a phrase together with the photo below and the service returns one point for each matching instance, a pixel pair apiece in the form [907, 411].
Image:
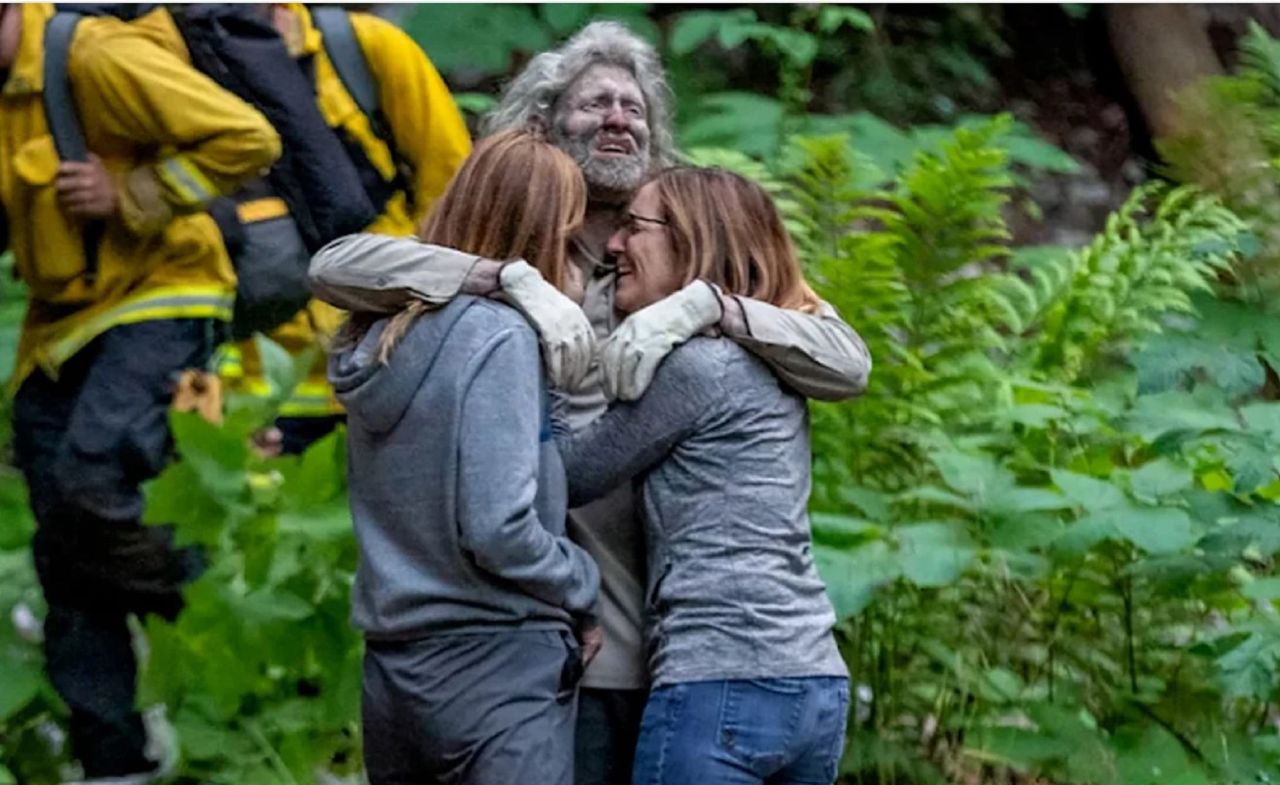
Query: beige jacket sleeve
[381, 274]
[818, 355]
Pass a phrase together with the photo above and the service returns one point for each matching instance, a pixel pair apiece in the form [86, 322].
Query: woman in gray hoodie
[748, 684]
[467, 591]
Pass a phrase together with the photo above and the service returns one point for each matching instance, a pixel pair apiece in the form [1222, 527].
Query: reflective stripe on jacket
[173, 140]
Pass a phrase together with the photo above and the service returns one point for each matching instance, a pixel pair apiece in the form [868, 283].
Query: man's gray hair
[532, 95]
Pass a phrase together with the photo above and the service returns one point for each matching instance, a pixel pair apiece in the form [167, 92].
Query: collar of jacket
[27, 74]
[302, 39]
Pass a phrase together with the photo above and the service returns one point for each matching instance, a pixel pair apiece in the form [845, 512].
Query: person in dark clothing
[113, 319]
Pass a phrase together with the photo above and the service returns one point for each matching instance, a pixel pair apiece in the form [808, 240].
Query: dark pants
[743, 732]
[85, 442]
[605, 741]
[491, 708]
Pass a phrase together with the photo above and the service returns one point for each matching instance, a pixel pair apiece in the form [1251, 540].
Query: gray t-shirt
[721, 451]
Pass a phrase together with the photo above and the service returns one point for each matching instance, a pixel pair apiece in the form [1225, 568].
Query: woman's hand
[632, 354]
[567, 339]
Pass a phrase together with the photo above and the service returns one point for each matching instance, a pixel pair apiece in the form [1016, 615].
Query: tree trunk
[1161, 50]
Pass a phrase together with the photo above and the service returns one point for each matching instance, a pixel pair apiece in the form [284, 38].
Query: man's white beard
[610, 175]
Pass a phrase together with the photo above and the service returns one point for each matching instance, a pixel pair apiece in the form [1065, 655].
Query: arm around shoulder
[382, 274]
[818, 355]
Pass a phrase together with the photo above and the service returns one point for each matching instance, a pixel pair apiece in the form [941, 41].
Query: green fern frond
[1260, 59]
[1156, 250]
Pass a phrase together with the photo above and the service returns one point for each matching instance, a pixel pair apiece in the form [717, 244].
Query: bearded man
[603, 98]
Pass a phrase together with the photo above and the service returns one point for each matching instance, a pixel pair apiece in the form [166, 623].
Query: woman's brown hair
[515, 197]
[729, 232]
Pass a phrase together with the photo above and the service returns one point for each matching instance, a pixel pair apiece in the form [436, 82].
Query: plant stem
[273, 757]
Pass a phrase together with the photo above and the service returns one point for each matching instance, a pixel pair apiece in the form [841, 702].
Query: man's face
[601, 121]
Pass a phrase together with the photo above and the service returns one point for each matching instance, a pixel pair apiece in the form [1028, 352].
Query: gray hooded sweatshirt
[457, 489]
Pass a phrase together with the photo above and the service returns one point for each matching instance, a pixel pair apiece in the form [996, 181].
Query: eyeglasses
[633, 222]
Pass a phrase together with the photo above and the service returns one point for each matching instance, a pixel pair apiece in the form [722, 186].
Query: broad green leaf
[1024, 500]
[832, 17]
[1005, 683]
[1249, 669]
[216, 456]
[932, 494]
[179, 498]
[283, 371]
[21, 684]
[1036, 153]
[1264, 418]
[1085, 533]
[565, 18]
[1018, 532]
[1201, 412]
[694, 28]
[1160, 478]
[1263, 589]
[978, 476]
[1090, 493]
[460, 37]
[745, 121]
[475, 103]
[872, 503]
[1018, 746]
[842, 531]
[16, 522]
[329, 521]
[933, 554]
[1159, 530]
[853, 576]
[1166, 362]
[269, 605]
[1256, 530]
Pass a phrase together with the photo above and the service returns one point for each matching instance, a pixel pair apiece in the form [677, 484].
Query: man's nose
[616, 118]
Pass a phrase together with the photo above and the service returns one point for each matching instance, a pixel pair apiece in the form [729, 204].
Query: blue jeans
[743, 732]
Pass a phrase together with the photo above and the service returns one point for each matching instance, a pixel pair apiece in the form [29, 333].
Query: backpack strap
[343, 49]
[64, 123]
[59, 104]
[344, 52]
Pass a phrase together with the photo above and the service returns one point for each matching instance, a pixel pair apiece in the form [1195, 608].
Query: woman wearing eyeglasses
[748, 684]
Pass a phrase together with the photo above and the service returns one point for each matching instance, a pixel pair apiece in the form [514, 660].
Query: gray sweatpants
[471, 709]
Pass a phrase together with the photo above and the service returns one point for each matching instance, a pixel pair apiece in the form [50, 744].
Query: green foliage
[260, 674]
[1049, 529]
[490, 39]
[31, 749]
[1046, 562]
[1145, 265]
[1230, 145]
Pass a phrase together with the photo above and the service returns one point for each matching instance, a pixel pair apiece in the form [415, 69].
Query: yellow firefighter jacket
[429, 133]
[172, 138]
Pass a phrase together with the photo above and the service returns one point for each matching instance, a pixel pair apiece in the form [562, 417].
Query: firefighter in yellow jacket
[108, 329]
[428, 139]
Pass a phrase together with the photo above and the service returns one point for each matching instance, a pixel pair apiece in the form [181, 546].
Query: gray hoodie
[457, 490]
